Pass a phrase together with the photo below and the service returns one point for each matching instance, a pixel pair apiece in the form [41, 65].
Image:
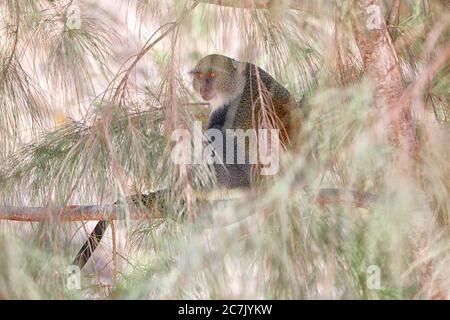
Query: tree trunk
[383, 68]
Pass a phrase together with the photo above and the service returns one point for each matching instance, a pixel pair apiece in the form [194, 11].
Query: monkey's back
[279, 108]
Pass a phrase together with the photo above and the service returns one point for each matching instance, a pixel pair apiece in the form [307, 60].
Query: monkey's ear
[194, 71]
[239, 67]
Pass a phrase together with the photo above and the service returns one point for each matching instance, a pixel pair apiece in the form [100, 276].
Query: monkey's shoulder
[279, 94]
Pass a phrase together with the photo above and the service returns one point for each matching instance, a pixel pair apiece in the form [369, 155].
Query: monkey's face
[217, 79]
[205, 83]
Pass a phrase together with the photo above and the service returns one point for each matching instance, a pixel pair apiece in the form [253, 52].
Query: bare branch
[112, 212]
[69, 213]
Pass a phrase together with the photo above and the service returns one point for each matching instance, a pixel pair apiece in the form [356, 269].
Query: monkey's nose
[207, 94]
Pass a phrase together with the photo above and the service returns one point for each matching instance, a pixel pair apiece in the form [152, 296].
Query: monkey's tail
[88, 248]
[91, 244]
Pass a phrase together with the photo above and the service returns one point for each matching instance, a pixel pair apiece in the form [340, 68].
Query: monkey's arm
[227, 175]
[217, 118]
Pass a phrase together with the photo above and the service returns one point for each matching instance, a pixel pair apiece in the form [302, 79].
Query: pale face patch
[218, 101]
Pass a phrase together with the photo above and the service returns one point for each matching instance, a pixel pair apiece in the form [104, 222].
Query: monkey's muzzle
[207, 94]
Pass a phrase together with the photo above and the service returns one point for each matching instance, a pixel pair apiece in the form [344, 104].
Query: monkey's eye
[198, 75]
[211, 74]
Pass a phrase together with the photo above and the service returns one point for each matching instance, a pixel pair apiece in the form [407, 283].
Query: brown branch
[114, 212]
[394, 14]
[352, 198]
[394, 18]
[69, 213]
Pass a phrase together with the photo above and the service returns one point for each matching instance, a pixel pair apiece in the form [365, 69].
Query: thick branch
[70, 213]
[113, 212]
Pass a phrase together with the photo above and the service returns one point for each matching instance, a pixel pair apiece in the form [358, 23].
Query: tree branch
[69, 213]
[113, 212]
[344, 197]
[393, 19]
